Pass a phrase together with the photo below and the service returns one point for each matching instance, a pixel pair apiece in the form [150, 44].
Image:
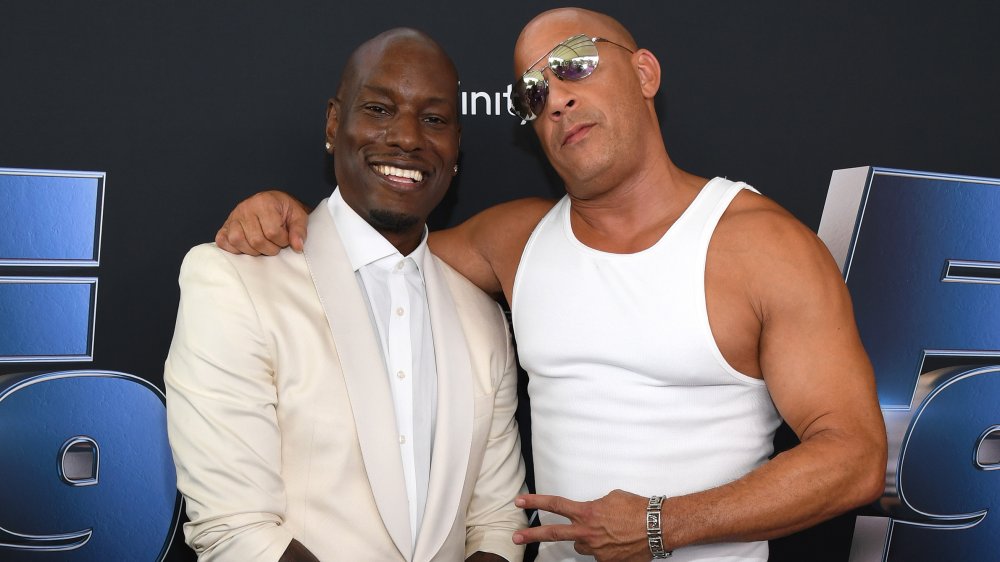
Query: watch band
[654, 530]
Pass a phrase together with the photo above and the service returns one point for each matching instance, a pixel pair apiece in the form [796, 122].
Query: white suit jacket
[281, 420]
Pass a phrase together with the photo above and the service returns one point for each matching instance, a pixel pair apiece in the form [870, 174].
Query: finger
[222, 241]
[252, 224]
[547, 533]
[257, 239]
[553, 504]
[231, 239]
[274, 230]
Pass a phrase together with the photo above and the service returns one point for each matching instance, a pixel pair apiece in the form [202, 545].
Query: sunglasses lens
[528, 96]
[575, 59]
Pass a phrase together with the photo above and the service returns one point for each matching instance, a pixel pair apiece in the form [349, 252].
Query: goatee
[389, 221]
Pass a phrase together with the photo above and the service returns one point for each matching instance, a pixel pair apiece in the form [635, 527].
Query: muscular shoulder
[775, 256]
[755, 222]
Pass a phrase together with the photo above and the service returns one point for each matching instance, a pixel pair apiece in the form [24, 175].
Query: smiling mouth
[401, 175]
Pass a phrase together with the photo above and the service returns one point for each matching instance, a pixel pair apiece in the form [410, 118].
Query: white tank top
[628, 388]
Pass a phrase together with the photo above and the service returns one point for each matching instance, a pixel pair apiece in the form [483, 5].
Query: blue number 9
[87, 471]
[921, 256]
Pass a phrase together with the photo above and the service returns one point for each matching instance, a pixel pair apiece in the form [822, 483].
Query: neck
[405, 243]
[635, 212]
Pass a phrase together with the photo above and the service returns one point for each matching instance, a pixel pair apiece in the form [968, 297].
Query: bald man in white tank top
[667, 323]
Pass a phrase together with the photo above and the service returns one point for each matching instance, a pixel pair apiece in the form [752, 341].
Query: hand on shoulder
[263, 224]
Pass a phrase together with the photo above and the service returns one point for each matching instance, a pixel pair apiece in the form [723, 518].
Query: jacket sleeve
[221, 417]
[492, 517]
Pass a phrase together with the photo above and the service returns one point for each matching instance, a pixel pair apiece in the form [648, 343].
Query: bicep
[815, 366]
[487, 248]
[457, 246]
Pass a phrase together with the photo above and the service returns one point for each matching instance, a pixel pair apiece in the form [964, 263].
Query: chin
[385, 220]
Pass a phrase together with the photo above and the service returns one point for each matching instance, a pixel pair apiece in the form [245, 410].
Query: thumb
[297, 234]
[296, 219]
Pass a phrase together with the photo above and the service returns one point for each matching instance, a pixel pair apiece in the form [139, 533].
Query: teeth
[413, 175]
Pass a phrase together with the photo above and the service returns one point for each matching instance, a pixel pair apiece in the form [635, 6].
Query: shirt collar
[364, 244]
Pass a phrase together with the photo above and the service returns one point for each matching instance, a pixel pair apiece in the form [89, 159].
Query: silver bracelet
[654, 532]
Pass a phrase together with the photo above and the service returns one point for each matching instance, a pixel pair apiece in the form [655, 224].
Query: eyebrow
[389, 92]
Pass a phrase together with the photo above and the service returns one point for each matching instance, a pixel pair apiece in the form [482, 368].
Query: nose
[560, 99]
[404, 132]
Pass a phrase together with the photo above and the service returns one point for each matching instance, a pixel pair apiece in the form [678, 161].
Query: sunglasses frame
[541, 85]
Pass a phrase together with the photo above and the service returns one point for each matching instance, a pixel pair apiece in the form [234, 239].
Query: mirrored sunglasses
[574, 59]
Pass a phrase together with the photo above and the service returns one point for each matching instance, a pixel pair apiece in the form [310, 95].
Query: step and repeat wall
[128, 130]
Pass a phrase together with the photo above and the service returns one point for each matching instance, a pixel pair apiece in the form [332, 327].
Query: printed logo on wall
[486, 103]
[87, 469]
[921, 256]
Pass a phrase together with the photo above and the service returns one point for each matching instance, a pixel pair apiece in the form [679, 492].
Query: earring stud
[454, 169]
[328, 146]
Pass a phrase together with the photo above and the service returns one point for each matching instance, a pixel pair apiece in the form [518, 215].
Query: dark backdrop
[191, 106]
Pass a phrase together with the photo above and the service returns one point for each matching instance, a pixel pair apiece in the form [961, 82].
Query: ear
[332, 121]
[458, 151]
[648, 70]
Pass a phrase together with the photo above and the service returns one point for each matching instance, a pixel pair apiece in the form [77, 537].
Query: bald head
[566, 22]
[394, 132]
[598, 130]
[369, 53]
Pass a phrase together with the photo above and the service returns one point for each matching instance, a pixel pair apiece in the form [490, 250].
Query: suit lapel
[453, 432]
[346, 308]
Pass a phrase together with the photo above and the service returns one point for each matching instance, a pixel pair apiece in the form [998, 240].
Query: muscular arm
[485, 249]
[820, 379]
[787, 292]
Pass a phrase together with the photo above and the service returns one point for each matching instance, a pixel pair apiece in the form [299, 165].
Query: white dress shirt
[397, 303]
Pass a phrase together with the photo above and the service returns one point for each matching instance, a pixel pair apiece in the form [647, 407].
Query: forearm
[799, 488]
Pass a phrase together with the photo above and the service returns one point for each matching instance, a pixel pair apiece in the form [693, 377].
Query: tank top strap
[554, 216]
[712, 201]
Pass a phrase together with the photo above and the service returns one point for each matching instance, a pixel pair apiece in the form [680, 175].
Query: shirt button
[400, 375]
[400, 311]
[400, 265]
[402, 440]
